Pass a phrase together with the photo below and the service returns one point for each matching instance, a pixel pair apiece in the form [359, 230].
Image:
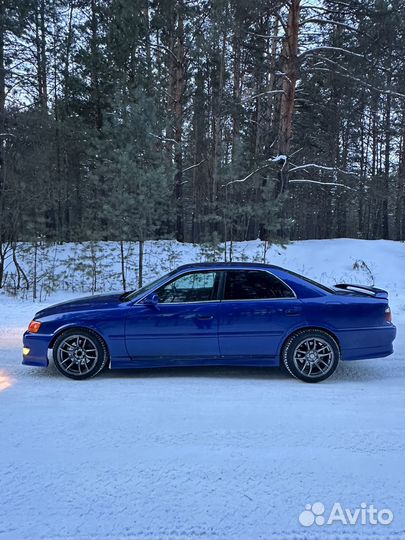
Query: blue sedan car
[216, 314]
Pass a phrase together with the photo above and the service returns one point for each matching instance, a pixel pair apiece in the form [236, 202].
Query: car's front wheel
[79, 354]
[311, 355]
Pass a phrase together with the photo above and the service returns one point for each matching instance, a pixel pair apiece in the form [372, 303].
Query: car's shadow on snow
[215, 372]
[220, 372]
[348, 372]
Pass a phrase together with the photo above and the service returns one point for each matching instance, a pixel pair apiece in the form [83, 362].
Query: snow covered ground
[207, 453]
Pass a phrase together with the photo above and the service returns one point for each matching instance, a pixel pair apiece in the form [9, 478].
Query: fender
[326, 328]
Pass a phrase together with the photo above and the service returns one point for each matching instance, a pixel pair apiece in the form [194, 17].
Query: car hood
[99, 301]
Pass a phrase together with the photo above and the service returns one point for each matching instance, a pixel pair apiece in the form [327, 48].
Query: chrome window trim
[187, 303]
[223, 299]
[262, 299]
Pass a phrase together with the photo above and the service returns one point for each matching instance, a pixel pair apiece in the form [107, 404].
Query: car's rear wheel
[311, 355]
[79, 354]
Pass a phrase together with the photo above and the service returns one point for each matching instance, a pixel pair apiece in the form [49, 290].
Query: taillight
[34, 327]
[388, 314]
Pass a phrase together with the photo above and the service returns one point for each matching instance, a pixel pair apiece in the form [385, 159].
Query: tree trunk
[95, 83]
[43, 65]
[140, 263]
[122, 257]
[400, 202]
[236, 46]
[178, 91]
[2, 71]
[34, 276]
[290, 70]
[40, 55]
[66, 68]
[149, 71]
[217, 125]
[3, 139]
[387, 152]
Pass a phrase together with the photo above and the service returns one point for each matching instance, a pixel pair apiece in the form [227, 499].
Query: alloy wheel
[313, 357]
[77, 354]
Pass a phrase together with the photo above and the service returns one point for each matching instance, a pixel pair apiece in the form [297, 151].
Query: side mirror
[152, 300]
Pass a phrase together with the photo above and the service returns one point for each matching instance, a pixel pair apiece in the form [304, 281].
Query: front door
[256, 312]
[182, 327]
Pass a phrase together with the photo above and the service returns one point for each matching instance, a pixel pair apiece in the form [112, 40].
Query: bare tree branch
[264, 36]
[164, 139]
[193, 166]
[266, 93]
[327, 59]
[322, 167]
[163, 48]
[330, 184]
[280, 158]
[246, 177]
[323, 9]
[281, 21]
[326, 48]
[367, 85]
[326, 21]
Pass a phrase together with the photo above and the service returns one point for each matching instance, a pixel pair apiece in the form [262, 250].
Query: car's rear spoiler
[372, 291]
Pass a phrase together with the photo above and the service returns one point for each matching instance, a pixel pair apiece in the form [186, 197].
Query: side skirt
[142, 363]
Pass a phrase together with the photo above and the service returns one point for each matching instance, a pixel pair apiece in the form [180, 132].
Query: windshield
[139, 292]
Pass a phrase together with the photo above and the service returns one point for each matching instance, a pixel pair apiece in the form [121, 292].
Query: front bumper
[38, 345]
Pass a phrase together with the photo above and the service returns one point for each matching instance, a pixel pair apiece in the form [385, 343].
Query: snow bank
[205, 453]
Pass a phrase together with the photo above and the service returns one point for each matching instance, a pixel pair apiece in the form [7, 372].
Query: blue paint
[140, 332]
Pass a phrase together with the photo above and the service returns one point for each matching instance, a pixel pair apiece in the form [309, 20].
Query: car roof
[229, 265]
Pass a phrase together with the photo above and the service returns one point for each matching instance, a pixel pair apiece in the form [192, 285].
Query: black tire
[79, 354]
[311, 355]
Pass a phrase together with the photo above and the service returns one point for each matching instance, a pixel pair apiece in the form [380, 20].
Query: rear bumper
[38, 346]
[367, 343]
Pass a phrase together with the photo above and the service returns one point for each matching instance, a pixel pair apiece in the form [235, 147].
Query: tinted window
[312, 282]
[254, 284]
[193, 287]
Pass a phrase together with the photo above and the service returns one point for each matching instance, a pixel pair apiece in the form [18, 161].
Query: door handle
[292, 311]
[205, 317]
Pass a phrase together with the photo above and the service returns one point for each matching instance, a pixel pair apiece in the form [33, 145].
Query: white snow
[211, 452]
[280, 157]
[80, 268]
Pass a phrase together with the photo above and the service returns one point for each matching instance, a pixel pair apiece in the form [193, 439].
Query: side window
[254, 284]
[193, 287]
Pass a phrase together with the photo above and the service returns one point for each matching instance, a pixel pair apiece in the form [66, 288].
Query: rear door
[257, 311]
[183, 326]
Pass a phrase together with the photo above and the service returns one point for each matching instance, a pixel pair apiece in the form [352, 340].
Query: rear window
[254, 285]
[312, 282]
